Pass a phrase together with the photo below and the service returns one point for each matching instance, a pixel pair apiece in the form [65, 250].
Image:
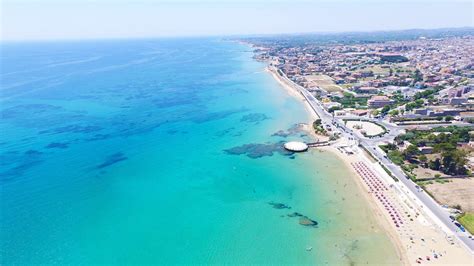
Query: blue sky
[87, 19]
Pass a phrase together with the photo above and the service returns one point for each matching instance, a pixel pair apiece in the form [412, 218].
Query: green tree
[385, 109]
[448, 118]
[334, 108]
[417, 76]
[394, 112]
[412, 105]
[435, 164]
[444, 146]
[410, 152]
[454, 162]
[423, 159]
[396, 157]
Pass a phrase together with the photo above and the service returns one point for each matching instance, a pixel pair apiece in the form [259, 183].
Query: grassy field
[467, 220]
[400, 68]
[324, 82]
[349, 101]
[331, 88]
[378, 70]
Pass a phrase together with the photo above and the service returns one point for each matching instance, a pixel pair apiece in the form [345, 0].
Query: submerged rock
[293, 130]
[307, 222]
[112, 159]
[258, 150]
[279, 205]
[295, 214]
[58, 145]
[254, 118]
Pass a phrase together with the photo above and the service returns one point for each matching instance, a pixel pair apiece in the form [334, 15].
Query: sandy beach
[291, 91]
[417, 238]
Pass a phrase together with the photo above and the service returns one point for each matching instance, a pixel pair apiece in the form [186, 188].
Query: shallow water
[164, 151]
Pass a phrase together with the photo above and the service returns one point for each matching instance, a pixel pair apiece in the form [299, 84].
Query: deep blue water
[163, 151]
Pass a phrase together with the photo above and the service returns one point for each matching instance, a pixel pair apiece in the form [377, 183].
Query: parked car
[460, 226]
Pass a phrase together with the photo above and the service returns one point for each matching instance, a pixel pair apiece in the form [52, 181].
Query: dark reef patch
[224, 132]
[112, 159]
[172, 131]
[72, 129]
[32, 153]
[302, 219]
[175, 101]
[278, 205]
[257, 150]
[98, 137]
[27, 109]
[18, 170]
[254, 118]
[17, 163]
[294, 214]
[293, 130]
[238, 134]
[57, 145]
[206, 117]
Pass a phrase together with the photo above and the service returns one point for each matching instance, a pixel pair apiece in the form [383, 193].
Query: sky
[91, 19]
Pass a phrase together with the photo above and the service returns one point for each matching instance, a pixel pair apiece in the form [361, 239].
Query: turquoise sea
[166, 151]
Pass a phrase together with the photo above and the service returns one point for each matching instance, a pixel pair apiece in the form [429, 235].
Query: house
[420, 111]
[359, 112]
[457, 100]
[404, 145]
[444, 112]
[458, 92]
[425, 150]
[467, 116]
[377, 101]
[366, 90]
[339, 113]
[330, 105]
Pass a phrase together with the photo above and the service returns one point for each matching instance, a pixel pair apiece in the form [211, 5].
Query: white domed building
[296, 146]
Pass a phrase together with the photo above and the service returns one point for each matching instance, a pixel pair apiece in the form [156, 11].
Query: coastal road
[427, 201]
[371, 145]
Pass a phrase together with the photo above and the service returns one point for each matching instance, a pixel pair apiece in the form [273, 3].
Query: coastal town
[407, 105]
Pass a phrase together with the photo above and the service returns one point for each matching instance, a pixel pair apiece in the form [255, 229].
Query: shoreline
[311, 114]
[377, 215]
[421, 227]
[376, 212]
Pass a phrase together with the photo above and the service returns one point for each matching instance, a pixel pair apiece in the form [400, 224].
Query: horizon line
[241, 35]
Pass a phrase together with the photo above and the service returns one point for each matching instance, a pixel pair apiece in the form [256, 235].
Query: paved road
[427, 202]
[371, 145]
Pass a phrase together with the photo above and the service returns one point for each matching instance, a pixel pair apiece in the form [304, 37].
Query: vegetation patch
[467, 220]
[349, 100]
[319, 128]
[410, 150]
